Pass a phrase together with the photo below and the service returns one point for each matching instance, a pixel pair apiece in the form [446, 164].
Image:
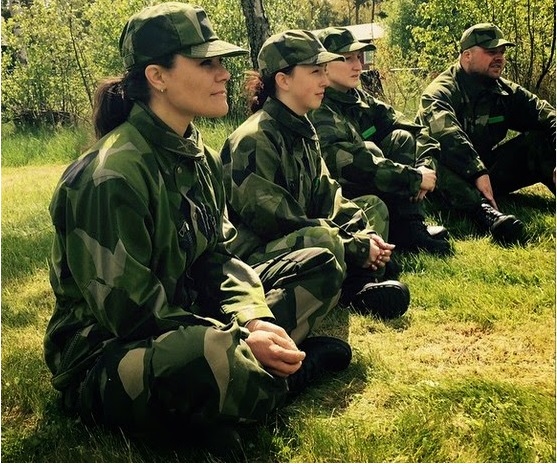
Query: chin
[216, 113]
[315, 105]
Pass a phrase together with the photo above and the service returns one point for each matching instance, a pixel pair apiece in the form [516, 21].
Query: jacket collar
[159, 134]
[286, 117]
[352, 97]
[475, 85]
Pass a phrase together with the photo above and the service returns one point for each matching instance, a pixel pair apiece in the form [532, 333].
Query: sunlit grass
[467, 375]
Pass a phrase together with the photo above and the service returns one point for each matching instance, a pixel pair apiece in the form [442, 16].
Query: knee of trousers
[376, 213]
[187, 371]
[400, 146]
[327, 238]
[326, 264]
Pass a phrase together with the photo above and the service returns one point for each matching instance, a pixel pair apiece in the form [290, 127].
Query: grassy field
[467, 375]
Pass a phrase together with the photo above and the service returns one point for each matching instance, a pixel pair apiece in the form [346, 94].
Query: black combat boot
[388, 299]
[506, 229]
[323, 355]
[413, 235]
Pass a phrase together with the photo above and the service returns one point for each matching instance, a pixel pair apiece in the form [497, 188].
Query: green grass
[55, 145]
[467, 375]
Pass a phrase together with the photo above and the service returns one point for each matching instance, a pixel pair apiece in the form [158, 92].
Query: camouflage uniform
[369, 147]
[471, 117]
[282, 197]
[150, 304]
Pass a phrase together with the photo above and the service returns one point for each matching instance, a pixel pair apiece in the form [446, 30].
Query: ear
[282, 81]
[155, 77]
[466, 54]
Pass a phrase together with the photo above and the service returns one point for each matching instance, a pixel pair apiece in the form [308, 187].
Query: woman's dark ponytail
[114, 96]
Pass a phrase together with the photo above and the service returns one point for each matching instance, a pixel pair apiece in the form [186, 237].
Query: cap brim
[322, 58]
[496, 43]
[356, 47]
[214, 48]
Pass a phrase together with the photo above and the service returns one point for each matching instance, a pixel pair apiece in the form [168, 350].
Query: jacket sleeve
[529, 112]
[108, 227]
[223, 280]
[388, 119]
[359, 164]
[104, 230]
[438, 112]
[262, 201]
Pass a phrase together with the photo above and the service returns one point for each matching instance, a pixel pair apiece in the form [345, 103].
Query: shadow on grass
[57, 437]
[23, 254]
[529, 205]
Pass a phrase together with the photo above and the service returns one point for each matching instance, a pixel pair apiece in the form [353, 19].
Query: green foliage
[426, 35]
[311, 14]
[51, 78]
[38, 73]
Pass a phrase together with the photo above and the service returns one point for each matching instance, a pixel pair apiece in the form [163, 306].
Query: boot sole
[508, 231]
[388, 300]
[443, 233]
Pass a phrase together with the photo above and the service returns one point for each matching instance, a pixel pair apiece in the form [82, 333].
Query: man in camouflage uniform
[469, 109]
[156, 324]
[282, 197]
[371, 148]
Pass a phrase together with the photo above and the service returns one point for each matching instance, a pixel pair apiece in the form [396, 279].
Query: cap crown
[167, 28]
[341, 40]
[485, 35]
[291, 48]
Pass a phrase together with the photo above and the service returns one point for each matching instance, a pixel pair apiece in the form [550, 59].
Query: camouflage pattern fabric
[281, 194]
[196, 375]
[290, 48]
[371, 148]
[341, 40]
[140, 262]
[471, 119]
[485, 35]
[168, 28]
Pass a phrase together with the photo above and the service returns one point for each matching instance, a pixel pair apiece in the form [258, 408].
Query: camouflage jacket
[469, 117]
[351, 126]
[139, 246]
[278, 183]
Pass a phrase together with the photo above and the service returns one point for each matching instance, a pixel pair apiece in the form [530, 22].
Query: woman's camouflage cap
[485, 35]
[341, 40]
[169, 28]
[291, 48]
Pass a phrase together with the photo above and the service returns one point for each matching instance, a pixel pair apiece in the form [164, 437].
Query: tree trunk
[257, 26]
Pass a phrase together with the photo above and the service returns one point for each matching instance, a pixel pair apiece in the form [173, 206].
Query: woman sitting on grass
[282, 197]
[156, 323]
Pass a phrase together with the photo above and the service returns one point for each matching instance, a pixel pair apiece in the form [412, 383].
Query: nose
[500, 58]
[223, 73]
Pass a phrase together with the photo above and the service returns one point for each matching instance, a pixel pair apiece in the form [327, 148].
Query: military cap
[341, 40]
[485, 35]
[169, 28]
[290, 48]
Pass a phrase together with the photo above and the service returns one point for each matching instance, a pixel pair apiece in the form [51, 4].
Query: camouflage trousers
[524, 160]
[377, 216]
[398, 146]
[205, 373]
